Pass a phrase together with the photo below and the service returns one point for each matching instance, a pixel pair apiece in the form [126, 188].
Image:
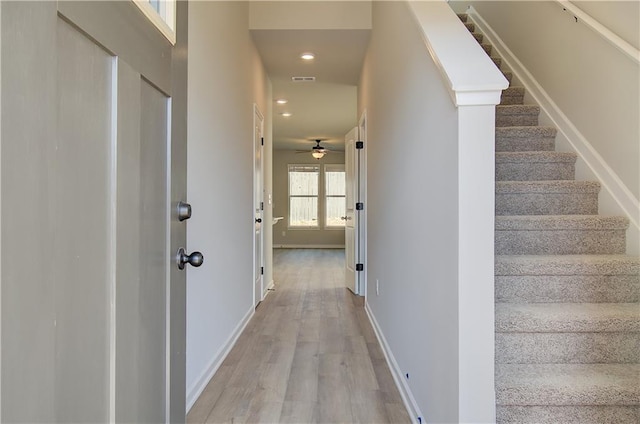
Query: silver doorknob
[184, 211]
[195, 259]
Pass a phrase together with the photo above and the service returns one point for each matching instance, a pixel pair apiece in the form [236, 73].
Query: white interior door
[352, 248]
[86, 154]
[258, 204]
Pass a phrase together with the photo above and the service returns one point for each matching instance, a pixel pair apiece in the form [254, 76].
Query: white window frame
[332, 167]
[164, 20]
[290, 168]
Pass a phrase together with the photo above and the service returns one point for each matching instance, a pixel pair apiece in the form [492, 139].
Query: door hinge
[359, 145]
[262, 141]
[261, 206]
[359, 267]
[261, 270]
[359, 206]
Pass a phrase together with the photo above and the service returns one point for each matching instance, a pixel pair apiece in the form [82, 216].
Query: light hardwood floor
[309, 355]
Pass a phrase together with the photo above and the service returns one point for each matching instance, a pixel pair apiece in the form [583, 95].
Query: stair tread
[567, 384]
[561, 222]
[550, 186]
[567, 265]
[526, 131]
[517, 109]
[536, 157]
[567, 317]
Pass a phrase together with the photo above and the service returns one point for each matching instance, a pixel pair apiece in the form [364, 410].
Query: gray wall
[296, 237]
[226, 77]
[412, 209]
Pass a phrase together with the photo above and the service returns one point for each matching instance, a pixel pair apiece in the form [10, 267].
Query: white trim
[586, 19]
[403, 387]
[170, 264]
[608, 178]
[201, 383]
[309, 246]
[166, 28]
[113, 237]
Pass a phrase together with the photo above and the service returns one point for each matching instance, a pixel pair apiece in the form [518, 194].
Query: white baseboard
[615, 197]
[196, 390]
[405, 391]
[308, 246]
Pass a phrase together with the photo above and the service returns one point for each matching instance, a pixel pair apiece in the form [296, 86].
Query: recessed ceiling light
[286, 114]
[307, 56]
[282, 101]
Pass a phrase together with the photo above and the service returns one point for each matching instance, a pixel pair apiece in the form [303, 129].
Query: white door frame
[258, 203]
[362, 195]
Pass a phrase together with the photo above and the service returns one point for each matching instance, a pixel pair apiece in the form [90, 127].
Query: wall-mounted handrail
[600, 29]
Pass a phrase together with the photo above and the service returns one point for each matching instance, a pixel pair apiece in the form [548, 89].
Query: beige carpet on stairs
[567, 295]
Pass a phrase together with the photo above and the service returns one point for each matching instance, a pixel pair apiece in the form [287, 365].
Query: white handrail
[604, 32]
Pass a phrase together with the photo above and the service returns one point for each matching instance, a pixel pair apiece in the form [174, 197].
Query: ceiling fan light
[317, 155]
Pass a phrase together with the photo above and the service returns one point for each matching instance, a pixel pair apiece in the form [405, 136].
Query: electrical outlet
[377, 287]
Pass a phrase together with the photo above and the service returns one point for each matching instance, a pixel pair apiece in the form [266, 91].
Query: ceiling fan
[317, 151]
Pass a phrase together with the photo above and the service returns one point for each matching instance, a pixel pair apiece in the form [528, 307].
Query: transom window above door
[162, 13]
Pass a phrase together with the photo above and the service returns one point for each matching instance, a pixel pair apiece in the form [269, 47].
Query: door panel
[83, 266]
[154, 264]
[28, 312]
[128, 236]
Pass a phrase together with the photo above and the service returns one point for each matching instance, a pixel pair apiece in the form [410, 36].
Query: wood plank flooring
[309, 355]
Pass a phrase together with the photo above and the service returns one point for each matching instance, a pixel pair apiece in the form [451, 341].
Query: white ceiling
[326, 108]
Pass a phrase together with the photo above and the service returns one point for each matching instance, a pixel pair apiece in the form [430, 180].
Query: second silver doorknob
[195, 259]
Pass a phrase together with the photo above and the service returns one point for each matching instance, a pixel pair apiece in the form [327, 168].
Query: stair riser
[487, 48]
[559, 242]
[516, 120]
[478, 37]
[567, 288]
[578, 414]
[470, 26]
[567, 348]
[512, 99]
[547, 204]
[525, 144]
[535, 171]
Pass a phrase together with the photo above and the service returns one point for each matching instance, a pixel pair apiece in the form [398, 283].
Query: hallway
[309, 355]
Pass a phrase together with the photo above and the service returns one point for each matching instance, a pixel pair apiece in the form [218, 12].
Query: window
[335, 206]
[162, 13]
[311, 192]
[303, 195]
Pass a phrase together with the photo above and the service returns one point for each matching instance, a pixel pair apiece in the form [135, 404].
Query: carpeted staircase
[567, 296]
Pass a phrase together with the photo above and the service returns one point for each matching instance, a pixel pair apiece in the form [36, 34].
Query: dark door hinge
[261, 206]
[359, 145]
[359, 206]
[261, 270]
[359, 267]
[262, 141]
